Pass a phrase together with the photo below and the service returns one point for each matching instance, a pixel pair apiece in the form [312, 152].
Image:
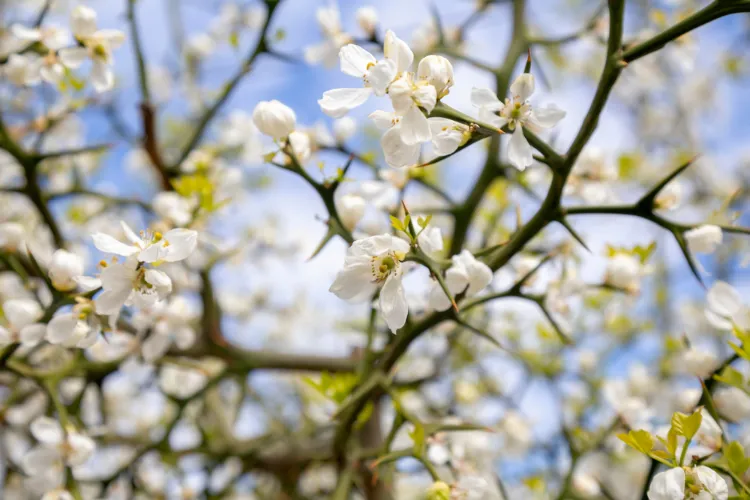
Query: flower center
[100, 51]
[382, 266]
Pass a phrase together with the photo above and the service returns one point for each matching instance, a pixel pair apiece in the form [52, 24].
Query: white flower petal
[354, 60]
[485, 98]
[47, 430]
[724, 300]
[22, 312]
[111, 301]
[415, 129]
[383, 119]
[102, 76]
[393, 303]
[61, 327]
[181, 243]
[108, 244]
[547, 117]
[520, 154]
[398, 51]
[523, 86]
[381, 75]
[337, 102]
[32, 334]
[73, 57]
[397, 152]
[668, 485]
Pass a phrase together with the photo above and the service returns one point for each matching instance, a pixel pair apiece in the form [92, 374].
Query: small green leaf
[397, 224]
[732, 377]
[687, 425]
[735, 455]
[639, 439]
[424, 221]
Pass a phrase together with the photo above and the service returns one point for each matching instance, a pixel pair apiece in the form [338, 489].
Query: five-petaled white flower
[77, 328]
[375, 262]
[172, 246]
[376, 75]
[97, 45]
[50, 67]
[329, 20]
[446, 137]
[126, 283]
[57, 447]
[516, 112]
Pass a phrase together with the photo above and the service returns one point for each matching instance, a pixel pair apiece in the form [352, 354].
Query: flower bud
[12, 234]
[344, 128]
[351, 208]
[83, 21]
[624, 271]
[438, 491]
[704, 239]
[274, 119]
[438, 72]
[301, 146]
[367, 18]
[733, 403]
[64, 267]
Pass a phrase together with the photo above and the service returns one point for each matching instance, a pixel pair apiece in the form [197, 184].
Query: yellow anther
[100, 51]
[103, 263]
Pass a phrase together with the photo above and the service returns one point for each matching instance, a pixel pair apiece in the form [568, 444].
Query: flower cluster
[65, 52]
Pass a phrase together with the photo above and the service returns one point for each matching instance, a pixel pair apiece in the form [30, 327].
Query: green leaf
[735, 455]
[424, 221]
[670, 443]
[640, 440]
[687, 425]
[397, 224]
[741, 350]
[732, 377]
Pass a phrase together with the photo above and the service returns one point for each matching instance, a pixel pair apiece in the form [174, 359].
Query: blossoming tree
[137, 363]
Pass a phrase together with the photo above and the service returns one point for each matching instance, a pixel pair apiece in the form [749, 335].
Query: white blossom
[371, 263]
[98, 45]
[64, 269]
[438, 72]
[704, 239]
[724, 308]
[624, 271]
[172, 246]
[367, 19]
[671, 485]
[465, 274]
[351, 208]
[57, 447]
[376, 75]
[274, 119]
[516, 112]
